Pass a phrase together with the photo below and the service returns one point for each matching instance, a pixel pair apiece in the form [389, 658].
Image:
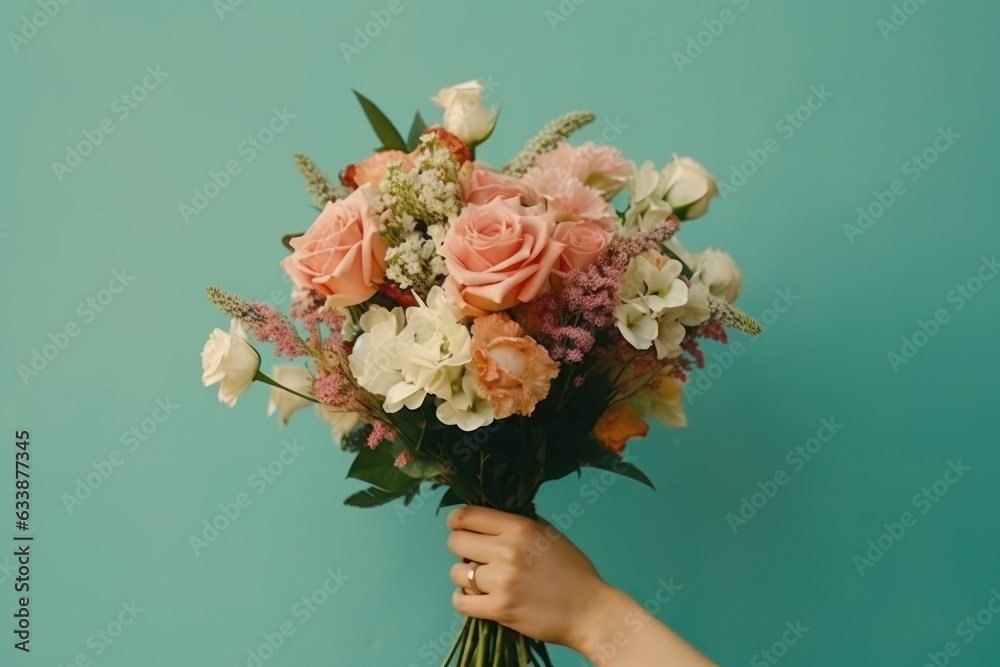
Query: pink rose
[498, 254]
[600, 167]
[480, 186]
[584, 241]
[341, 255]
[374, 169]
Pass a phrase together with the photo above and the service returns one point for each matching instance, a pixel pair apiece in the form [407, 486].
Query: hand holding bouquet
[487, 330]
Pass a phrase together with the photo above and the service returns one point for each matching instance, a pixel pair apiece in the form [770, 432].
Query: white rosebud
[720, 273]
[464, 114]
[296, 378]
[689, 187]
[229, 359]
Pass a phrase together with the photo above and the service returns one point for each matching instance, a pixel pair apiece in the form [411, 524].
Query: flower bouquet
[483, 330]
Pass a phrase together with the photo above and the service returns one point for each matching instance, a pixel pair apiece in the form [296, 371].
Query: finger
[474, 606]
[474, 546]
[484, 580]
[483, 520]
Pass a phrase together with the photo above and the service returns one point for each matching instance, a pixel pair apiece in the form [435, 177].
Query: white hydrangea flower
[683, 187]
[637, 324]
[465, 408]
[434, 347]
[647, 196]
[658, 286]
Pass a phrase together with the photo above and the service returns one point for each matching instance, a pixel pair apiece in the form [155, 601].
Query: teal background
[824, 357]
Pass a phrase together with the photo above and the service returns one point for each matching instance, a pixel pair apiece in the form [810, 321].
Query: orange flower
[512, 371]
[619, 423]
[373, 170]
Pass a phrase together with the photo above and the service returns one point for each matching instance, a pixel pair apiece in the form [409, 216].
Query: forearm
[623, 634]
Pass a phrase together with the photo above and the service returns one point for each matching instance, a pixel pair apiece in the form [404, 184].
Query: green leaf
[375, 466]
[685, 269]
[371, 497]
[416, 129]
[421, 467]
[386, 131]
[449, 499]
[606, 460]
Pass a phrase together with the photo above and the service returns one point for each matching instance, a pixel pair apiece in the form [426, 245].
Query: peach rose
[481, 186]
[374, 169]
[341, 255]
[619, 423]
[512, 371]
[498, 254]
[584, 241]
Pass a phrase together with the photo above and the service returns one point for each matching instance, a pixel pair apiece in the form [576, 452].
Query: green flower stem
[260, 377]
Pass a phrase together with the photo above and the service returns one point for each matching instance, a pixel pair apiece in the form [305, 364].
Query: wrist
[603, 618]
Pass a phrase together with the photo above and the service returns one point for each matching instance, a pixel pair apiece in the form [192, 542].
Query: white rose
[688, 187]
[464, 114]
[720, 273]
[296, 378]
[375, 361]
[229, 359]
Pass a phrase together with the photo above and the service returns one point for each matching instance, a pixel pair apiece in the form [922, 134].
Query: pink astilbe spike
[381, 432]
[274, 327]
[624, 249]
[336, 391]
[713, 330]
[690, 346]
[403, 458]
[306, 309]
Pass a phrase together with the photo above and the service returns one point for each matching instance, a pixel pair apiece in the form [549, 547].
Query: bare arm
[537, 582]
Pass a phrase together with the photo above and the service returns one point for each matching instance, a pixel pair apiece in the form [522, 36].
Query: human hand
[532, 578]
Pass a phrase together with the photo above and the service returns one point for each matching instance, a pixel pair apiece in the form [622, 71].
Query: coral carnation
[512, 371]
